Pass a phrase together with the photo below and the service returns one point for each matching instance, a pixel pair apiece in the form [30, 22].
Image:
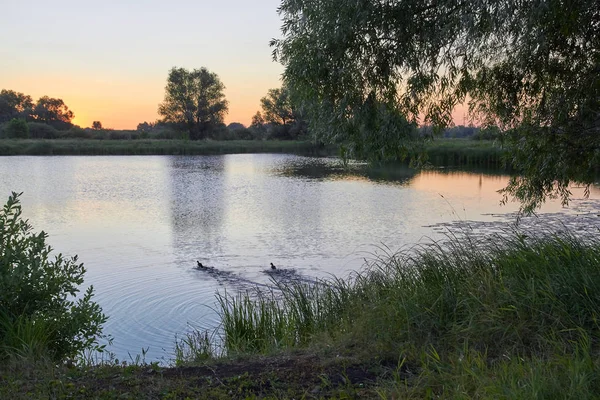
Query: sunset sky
[109, 60]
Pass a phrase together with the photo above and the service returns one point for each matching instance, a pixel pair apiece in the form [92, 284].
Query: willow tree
[367, 71]
[195, 100]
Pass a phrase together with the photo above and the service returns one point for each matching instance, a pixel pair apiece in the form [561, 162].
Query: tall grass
[509, 313]
[25, 337]
[287, 317]
[465, 152]
[508, 295]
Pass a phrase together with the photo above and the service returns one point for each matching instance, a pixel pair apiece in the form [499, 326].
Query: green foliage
[40, 305]
[237, 131]
[530, 67]
[195, 100]
[39, 130]
[465, 152]
[195, 347]
[17, 128]
[503, 297]
[471, 374]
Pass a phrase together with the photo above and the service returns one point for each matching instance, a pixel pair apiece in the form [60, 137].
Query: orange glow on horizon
[124, 102]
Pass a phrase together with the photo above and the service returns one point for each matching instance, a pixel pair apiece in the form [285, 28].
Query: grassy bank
[505, 318]
[447, 152]
[460, 152]
[512, 318]
[13, 147]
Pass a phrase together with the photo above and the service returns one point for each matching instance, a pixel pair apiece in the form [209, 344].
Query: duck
[200, 266]
[273, 266]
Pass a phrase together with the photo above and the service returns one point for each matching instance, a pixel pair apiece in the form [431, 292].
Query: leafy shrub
[39, 130]
[123, 135]
[17, 128]
[76, 132]
[39, 302]
[163, 132]
[279, 132]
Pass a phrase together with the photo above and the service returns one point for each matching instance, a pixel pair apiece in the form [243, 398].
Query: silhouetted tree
[277, 106]
[195, 100]
[14, 105]
[53, 112]
[145, 127]
[97, 125]
[257, 121]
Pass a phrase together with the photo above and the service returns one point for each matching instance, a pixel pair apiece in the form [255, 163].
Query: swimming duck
[200, 266]
[273, 267]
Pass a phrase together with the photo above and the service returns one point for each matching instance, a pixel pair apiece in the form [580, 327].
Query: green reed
[506, 316]
[511, 294]
[465, 152]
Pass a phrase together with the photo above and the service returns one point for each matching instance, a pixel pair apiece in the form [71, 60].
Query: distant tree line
[464, 132]
[194, 108]
[18, 109]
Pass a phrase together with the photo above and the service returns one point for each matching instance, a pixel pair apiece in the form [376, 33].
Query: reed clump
[466, 152]
[509, 314]
[509, 294]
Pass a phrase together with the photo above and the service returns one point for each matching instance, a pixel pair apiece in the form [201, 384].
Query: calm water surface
[140, 223]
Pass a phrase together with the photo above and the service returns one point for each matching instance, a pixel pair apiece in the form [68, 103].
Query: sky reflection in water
[140, 223]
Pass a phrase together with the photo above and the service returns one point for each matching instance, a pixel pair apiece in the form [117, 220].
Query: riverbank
[48, 147]
[512, 317]
[447, 152]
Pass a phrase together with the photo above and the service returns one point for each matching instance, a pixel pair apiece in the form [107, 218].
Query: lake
[140, 224]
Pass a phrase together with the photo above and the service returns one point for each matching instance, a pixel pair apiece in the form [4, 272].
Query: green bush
[17, 128]
[40, 309]
[163, 132]
[38, 130]
[76, 132]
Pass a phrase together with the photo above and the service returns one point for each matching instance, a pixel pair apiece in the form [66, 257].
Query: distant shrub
[145, 127]
[98, 134]
[235, 125]
[244, 134]
[489, 133]
[278, 132]
[298, 130]
[124, 135]
[76, 132]
[39, 130]
[163, 132]
[119, 135]
[460, 132]
[234, 131]
[17, 128]
[38, 304]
